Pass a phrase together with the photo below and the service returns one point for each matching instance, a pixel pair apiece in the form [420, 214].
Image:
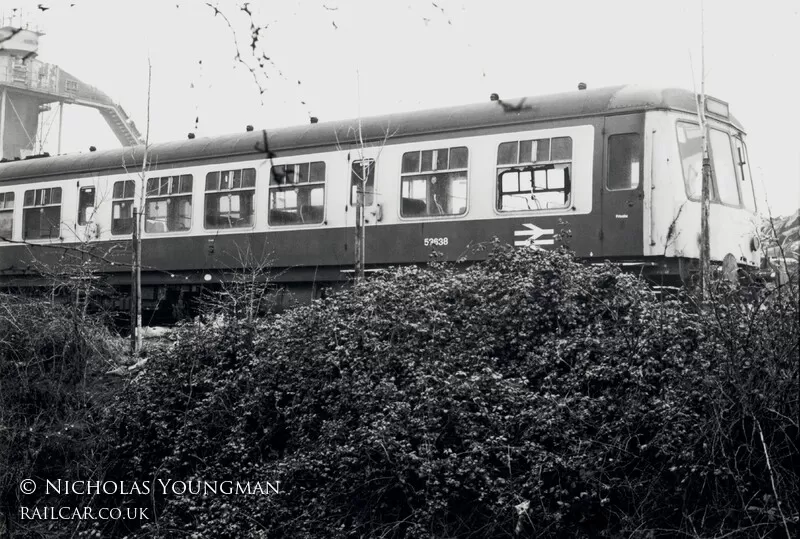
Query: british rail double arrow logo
[534, 236]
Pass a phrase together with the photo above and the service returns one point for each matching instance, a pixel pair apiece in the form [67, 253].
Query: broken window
[534, 174]
[434, 182]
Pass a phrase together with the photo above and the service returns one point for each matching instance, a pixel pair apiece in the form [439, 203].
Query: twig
[772, 479]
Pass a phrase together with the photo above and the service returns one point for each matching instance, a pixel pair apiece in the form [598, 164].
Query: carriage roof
[252, 144]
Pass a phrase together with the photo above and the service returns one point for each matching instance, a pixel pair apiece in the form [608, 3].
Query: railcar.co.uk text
[163, 487]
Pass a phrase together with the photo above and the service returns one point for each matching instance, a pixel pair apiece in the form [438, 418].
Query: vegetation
[528, 396]
[781, 237]
[52, 388]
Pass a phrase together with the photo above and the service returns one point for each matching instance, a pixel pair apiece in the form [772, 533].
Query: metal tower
[29, 87]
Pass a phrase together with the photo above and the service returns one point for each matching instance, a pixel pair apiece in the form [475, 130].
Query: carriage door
[363, 180]
[621, 194]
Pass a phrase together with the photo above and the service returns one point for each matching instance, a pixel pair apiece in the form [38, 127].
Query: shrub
[51, 388]
[527, 395]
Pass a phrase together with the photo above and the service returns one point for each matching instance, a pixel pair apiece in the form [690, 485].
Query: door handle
[378, 212]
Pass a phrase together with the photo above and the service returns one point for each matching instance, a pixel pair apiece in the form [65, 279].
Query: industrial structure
[29, 87]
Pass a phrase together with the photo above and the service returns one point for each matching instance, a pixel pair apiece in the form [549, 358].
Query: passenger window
[6, 216]
[534, 174]
[229, 198]
[86, 205]
[624, 161]
[122, 207]
[723, 167]
[434, 182]
[42, 213]
[168, 204]
[362, 176]
[297, 194]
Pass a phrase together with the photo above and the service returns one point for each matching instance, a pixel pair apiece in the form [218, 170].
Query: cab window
[723, 167]
[745, 178]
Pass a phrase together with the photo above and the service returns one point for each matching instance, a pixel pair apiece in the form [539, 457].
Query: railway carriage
[619, 167]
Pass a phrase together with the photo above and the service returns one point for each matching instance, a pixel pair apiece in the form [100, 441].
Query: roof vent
[494, 97]
[249, 128]
[581, 86]
[314, 119]
[37, 156]
[92, 149]
[191, 136]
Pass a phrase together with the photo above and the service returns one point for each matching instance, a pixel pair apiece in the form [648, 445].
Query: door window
[85, 205]
[363, 177]
[122, 207]
[624, 161]
[6, 215]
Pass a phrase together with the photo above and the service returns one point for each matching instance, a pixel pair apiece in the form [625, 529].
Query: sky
[337, 59]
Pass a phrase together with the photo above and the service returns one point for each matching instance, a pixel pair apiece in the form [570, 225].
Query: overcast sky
[337, 58]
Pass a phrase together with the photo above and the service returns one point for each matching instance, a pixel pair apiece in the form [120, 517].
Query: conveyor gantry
[29, 86]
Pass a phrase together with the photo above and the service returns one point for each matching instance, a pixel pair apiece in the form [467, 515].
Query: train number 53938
[435, 241]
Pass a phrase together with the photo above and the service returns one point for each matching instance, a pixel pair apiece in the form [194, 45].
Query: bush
[51, 388]
[527, 395]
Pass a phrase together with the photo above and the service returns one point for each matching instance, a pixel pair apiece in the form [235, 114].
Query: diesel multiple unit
[619, 168]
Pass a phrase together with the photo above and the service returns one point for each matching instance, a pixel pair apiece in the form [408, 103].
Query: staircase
[122, 126]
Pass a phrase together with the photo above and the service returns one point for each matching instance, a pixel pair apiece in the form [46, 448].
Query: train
[614, 173]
